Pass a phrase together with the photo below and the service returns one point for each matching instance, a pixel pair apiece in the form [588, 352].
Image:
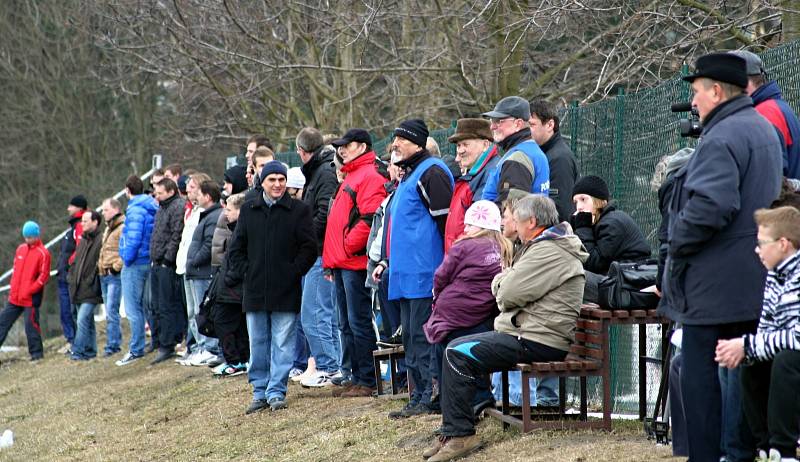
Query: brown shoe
[358, 391]
[338, 391]
[455, 447]
[433, 450]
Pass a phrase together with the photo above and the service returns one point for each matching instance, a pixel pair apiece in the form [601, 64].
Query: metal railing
[156, 164]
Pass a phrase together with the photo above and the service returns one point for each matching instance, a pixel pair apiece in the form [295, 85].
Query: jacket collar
[117, 220]
[285, 201]
[514, 139]
[166, 203]
[205, 212]
[483, 160]
[551, 142]
[321, 156]
[725, 109]
[786, 268]
[412, 162]
[76, 217]
[769, 90]
[367, 158]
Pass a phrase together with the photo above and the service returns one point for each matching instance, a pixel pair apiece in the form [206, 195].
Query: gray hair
[309, 139]
[433, 147]
[540, 208]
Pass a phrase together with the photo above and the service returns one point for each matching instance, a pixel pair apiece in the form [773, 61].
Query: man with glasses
[524, 166]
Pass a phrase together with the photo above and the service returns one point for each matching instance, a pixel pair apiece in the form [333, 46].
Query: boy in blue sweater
[771, 377]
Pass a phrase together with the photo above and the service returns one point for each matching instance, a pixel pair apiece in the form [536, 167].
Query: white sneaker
[127, 359]
[186, 360]
[295, 375]
[775, 456]
[218, 370]
[317, 380]
[202, 358]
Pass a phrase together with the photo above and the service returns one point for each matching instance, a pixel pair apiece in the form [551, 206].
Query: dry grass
[94, 411]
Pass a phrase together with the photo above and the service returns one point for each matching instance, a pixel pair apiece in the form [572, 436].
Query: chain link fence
[621, 139]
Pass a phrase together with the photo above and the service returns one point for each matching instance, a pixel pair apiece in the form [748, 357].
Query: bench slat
[586, 337]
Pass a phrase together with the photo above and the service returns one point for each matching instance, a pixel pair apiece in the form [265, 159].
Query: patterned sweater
[779, 327]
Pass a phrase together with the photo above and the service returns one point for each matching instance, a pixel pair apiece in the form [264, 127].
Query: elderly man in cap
[770, 104]
[271, 249]
[345, 254]
[524, 166]
[477, 156]
[416, 222]
[713, 281]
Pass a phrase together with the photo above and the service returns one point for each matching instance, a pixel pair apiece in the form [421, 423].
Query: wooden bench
[588, 357]
[392, 355]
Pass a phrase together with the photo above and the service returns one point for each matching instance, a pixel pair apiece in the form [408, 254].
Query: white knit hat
[295, 178]
[483, 214]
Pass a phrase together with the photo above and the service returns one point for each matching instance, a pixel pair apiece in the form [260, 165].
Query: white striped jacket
[779, 326]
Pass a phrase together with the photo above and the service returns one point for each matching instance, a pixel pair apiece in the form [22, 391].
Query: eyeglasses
[494, 121]
[761, 243]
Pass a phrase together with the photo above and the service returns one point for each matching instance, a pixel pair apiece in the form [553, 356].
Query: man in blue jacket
[134, 248]
[713, 281]
[523, 166]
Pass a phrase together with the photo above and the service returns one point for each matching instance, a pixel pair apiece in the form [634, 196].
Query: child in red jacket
[31, 272]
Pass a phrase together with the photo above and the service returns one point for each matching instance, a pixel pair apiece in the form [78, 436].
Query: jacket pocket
[676, 269]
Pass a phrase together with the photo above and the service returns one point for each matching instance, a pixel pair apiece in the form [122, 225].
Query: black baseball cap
[722, 67]
[354, 134]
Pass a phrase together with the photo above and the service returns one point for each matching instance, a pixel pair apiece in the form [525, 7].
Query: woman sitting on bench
[539, 299]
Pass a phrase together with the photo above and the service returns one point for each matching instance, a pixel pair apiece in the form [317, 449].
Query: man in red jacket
[345, 252]
[31, 272]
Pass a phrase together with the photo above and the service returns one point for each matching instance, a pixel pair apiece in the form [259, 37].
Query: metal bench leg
[642, 371]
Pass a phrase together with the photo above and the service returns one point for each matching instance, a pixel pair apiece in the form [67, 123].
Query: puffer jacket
[615, 237]
[134, 244]
[540, 295]
[462, 287]
[167, 232]
[220, 239]
[110, 262]
[321, 184]
[84, 281]
[227, 294]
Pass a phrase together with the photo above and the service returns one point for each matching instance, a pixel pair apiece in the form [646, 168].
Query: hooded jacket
[712, 276]
[540, 295]
[31, 273]
[134, 243]
[345, 245]
[222, 232]
[462, 287]
[321, 184]
[83, 278]
[770, 104]
[110, 261]
[68, 245]
[167, 231]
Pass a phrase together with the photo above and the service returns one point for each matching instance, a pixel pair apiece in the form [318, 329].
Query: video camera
[690, 126]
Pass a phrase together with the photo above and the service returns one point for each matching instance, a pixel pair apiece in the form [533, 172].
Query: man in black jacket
[563, 168]
[84, 285]
[713, 281]
[317, 311]
[198, 265]
[271, 249]
[76, 208]
[165, 283]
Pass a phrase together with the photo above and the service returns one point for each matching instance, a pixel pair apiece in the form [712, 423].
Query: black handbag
[622, 288]
[204, 317]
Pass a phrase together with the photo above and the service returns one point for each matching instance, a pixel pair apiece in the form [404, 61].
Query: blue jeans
[67, 321]
[737, 443]
[317, 318]
[414, 313]
[300, 360]
[85, 345]
[547, 392]
[111, 287]
[197, 288]
[271, 352]
[133, 285]
[355, 314]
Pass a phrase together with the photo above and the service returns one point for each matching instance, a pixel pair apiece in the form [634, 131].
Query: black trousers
[770, 403]
[467, 363]
[701, 391]
[33, 333]
[230, 326]
[166, 300]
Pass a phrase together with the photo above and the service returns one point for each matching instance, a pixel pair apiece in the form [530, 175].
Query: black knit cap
[413, 130]
[593, 186]
[79, 201]
[237, 176]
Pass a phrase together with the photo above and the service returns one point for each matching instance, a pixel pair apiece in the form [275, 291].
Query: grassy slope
[60, 410]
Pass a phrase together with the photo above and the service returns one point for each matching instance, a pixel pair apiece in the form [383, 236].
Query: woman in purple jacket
[463, 303]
